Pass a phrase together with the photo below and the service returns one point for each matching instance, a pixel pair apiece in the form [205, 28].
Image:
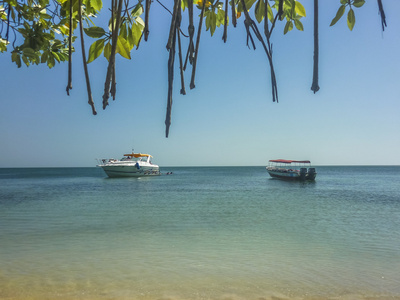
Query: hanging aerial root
[171, 61]
[315, 85]
[116, 13]
[280, 10]
[190, 51]
[146, 20]
[69, 84]
[178, 33]
[234, 21]
[382, 13]
[89, 91]
[225, 35]
[192, 85]
[247, 24]
[171, 45]
[183, 91]
[172, 28]
[113, 89]
[250, 24]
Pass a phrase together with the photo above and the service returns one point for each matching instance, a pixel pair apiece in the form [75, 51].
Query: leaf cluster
[129, 35]
[351, 18]
[35, 25]
[38, 30]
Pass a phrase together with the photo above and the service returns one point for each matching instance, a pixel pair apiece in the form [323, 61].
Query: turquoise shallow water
[201, 233]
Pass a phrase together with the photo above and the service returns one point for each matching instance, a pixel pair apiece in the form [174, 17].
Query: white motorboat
[291, 169]
[131, 165]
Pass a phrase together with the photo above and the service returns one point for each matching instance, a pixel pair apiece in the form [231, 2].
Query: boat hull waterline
[129, 171]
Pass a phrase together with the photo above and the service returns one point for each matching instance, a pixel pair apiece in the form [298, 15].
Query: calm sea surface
[228, 233]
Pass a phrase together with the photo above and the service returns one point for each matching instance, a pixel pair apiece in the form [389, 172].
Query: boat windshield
[294, 165]
[132, 158]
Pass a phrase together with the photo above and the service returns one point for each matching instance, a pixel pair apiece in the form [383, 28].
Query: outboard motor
[303, 173]
[311, 173]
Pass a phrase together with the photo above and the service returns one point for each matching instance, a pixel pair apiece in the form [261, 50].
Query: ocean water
[226, 233]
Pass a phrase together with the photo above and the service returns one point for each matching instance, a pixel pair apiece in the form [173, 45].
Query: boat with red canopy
[291, 169]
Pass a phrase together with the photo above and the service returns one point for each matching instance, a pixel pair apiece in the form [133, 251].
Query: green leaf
[96, 4]
[3, 45]
[94, 32]
[45, 16]
[51, 62]
[351, 19]
[300, 10]
[95, 50]
[339, 14]
[15, 57]
[137, 11]
[55, 55]
[298, 25]
[140, 22]
[137, 30]
[107, 51]
[45, 55]
[249, 3]
[123, 31]
[28, 52]
[213, 22]
[26, 61]
[288, 27]
[260, 10]
[220, 17]
[123, 48]
[130, 39]
[184, 4]
[270, 13]
[358, 3]
[208, 20]
[63, 56]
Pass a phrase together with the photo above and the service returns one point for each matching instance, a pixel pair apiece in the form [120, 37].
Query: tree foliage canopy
[44, 32]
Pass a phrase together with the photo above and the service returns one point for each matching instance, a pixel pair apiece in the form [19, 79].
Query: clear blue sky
[229, 118]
